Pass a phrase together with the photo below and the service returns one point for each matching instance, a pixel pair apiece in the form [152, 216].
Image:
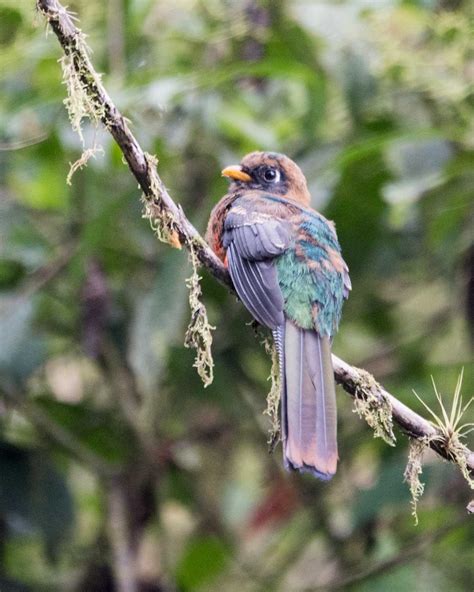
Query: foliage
[98, 393]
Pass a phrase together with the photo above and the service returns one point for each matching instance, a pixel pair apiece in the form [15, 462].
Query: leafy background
[110, 448]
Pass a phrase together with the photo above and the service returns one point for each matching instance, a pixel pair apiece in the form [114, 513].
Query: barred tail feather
[308, 405]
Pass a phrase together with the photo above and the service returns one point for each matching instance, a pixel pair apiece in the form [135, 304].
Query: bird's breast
[215, 227]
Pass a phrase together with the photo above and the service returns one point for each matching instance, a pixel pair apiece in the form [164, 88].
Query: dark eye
[271, 175]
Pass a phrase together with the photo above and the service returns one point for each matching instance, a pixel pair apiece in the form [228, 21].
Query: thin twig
[358, 383]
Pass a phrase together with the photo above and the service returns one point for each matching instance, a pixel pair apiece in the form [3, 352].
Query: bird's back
[311, 272]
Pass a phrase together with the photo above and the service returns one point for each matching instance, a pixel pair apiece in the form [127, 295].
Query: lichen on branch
[274, 394]
[199, 333]
[161, 220]
[374, 408]
[413, 470]
[79, 102]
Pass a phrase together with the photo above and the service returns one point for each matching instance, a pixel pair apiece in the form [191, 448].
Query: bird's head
[270, 172]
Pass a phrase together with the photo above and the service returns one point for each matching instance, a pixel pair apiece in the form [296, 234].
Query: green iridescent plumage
[313, 289]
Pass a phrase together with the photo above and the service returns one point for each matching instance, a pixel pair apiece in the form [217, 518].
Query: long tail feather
[308, 407]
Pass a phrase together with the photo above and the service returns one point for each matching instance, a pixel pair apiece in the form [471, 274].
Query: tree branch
[71, 40]
[358, 383]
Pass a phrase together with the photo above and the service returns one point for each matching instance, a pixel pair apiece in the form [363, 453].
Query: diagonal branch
[72, 42]
[358, 383]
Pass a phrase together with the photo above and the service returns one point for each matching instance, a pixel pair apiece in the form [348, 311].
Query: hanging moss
[412, 473]
[274, 394]
[80, 102]
[161, 220]
[375, 409]
[199, 332]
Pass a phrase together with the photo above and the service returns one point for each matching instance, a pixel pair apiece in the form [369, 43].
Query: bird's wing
[252, 239]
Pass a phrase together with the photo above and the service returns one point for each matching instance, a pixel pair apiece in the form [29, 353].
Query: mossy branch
[374, 402]
[87, 98]
[374, 407]
[362, 385]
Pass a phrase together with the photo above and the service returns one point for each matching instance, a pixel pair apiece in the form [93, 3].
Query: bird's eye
[271, 175]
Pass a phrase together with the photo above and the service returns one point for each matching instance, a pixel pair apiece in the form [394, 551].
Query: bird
[285, 262]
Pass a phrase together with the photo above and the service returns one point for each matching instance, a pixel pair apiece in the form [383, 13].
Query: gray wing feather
[256, 284]
[256, 237]
[252, 241]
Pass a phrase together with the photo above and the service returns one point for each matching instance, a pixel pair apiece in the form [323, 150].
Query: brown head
[270, 172]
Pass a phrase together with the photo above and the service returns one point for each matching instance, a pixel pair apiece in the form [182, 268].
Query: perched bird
[286, 265]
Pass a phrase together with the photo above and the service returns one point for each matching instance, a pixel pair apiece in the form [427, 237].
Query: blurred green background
[118, 470]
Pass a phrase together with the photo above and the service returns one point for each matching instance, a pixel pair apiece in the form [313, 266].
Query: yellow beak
[235, 172]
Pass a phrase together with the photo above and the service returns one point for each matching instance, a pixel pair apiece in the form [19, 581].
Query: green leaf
[11, 272]
[21, 348]
[158, 321]
[41, 182]
[400, 579]
[358, 209]
[10, 23]
[204, 558]
[101, 431]
[34, 495]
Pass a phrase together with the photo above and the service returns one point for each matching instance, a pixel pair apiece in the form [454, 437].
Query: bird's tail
[308, 401]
